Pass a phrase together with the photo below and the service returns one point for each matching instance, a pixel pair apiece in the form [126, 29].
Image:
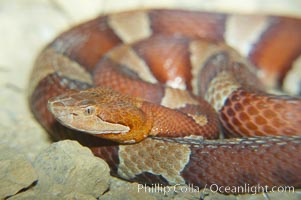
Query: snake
[173, 97]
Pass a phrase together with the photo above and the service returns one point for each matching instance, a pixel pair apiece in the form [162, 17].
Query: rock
[120, 190]
[16, 173]
[124, 190]
[67, 168]
[18, 128]
[33, 194]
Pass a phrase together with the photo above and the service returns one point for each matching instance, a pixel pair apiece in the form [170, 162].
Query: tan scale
[291, 83]
[200, 53]
[56, 62]
[199, 119]
[175, 98]
[132, 26]
[243, 31]
[126, 56]
[220, 88]
[178, 82]
[74, 40]
[171, 158]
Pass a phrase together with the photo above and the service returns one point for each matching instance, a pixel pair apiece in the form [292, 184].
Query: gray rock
[35, 194]
[125, 190]
[16, 173]
[31, 194]
[66, 168]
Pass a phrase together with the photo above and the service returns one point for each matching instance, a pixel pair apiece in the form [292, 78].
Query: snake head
[101, 112]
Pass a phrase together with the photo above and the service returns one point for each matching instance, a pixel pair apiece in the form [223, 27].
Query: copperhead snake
[134, 87]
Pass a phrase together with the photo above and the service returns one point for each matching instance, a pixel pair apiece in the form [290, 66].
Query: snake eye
[89, 110]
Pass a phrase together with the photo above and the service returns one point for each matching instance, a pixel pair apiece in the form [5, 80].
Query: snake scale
[150, 92]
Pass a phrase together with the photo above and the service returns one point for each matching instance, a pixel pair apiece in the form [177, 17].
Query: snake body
[139, 78]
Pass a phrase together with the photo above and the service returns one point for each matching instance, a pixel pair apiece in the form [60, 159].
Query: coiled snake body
[139, 78]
